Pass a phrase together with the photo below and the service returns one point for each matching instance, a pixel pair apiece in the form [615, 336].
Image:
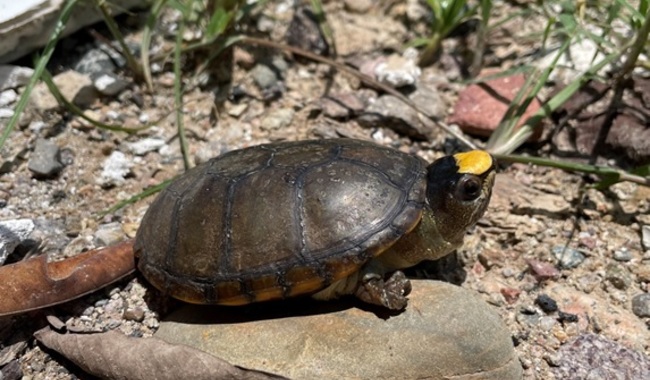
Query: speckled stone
[641, 305]
[591, 356]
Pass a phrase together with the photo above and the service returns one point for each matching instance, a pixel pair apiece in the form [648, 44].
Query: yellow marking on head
[474, 162]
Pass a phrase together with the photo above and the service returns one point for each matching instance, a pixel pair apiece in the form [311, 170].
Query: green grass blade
[147, 34]
[178, 93]
[144, 194]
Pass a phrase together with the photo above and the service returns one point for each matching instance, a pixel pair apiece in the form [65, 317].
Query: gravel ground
[556, 260]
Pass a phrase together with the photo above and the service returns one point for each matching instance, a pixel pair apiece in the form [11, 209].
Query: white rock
[27, 24]
[8, 97]
[6, 113]
[13, 76]
[110, 84]
[115, 168]
[399, 71]
[12, 232]
[144, 146]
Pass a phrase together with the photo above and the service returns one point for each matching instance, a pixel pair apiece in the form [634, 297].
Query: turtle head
[458, 191]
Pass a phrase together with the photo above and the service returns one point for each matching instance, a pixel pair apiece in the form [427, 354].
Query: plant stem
[178, 93]
[115, 31]
[429, 53]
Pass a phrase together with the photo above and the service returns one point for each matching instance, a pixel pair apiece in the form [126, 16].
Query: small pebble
[95, 61]
[134, 314]
[7, 97]
[399, 71]
[546, 323]
[568, 257]
[6, 113]
[277, 119]
[108, 234]
[566, 317]
[236, 110]
[622, 254]
[113, 324]
[45, 161]
[508, 272]
[358, 6]
[146, 145]
[542, 270]
[109, 84]
[588, 282]
[511, 295]
[553, 360]
[115, 168]
[528, 310]
[641, 305]
[618, 276]
[546, 303]
[264, 77]
[304, 32]
[14, 76]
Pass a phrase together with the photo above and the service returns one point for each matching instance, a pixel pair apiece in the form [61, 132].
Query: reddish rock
[542, 271]
[481, 106]
[511, 295]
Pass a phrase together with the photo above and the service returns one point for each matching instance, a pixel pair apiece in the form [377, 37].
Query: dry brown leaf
[35, 284]
[112, 355]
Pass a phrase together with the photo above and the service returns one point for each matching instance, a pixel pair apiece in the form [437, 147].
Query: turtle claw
[390, 293]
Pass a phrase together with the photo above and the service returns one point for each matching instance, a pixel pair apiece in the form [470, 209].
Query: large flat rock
[445, 332]
[26, 25]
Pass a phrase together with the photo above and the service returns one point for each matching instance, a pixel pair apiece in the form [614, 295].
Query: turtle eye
[468, 188]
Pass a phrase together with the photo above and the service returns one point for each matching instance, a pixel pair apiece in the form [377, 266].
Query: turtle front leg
[390, 293]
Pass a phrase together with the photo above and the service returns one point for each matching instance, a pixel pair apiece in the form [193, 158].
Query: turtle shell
[278, 220]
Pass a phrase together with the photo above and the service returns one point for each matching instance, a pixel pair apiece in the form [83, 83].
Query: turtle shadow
[295, 307]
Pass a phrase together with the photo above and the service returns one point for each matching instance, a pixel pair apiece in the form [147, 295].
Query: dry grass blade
[34, 284]
[112, 355]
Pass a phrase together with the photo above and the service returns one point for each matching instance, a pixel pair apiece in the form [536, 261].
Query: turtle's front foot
[390, 293]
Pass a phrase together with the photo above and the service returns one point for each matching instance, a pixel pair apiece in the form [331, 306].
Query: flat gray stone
[45, 161]
[264, 77]
[641, 305]
[390, 112]
[445, 332]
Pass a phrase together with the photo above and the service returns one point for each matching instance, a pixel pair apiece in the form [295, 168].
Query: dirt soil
[544, 234]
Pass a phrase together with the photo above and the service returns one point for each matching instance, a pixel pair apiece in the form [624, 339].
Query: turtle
[325, 218]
